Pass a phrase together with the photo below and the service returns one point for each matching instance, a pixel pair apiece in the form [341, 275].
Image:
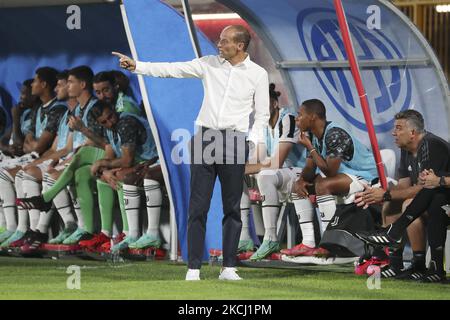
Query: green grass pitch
[26, 278]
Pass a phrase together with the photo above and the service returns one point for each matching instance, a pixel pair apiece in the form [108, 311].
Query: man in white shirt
[234, 87]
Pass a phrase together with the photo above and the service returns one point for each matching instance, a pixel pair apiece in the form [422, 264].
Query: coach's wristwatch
[442, 181]
[387, 196]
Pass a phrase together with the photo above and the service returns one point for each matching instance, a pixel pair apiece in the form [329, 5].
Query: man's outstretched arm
[188, 69]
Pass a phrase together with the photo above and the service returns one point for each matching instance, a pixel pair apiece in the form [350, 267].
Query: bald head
[241, 34]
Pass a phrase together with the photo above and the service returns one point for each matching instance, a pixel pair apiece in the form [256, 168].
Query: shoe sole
[318, 261]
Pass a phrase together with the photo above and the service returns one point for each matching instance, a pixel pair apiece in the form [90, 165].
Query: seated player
[77, 172]
[11, 144]
[107, 89]
[44, 124]
[12, 150]
[344, 162]
[42, 171]
[137, 142]
[122, 83]
[276, 175]
[128, 154]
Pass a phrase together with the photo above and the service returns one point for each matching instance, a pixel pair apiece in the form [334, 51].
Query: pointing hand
[125, 62]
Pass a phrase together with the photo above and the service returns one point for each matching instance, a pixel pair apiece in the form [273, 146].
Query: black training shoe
[411, 274]
[434, 276]
[34, 241]
[389, 272]
[380, 238]
[36, 202]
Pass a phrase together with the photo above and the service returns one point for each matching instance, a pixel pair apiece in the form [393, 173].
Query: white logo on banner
[374, 20]
[73, 22]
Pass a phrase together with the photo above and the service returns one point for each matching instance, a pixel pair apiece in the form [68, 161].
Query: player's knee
[267, 177]
[129, 178]
[267, 180]
[35, 172]
[149, 175]
[323, 187]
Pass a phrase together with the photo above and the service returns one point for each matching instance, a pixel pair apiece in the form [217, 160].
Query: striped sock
[327, 208]
[31, 188]
[8, 196]
[132, 200]
[22, 213]
[153, 197]
[305, 212]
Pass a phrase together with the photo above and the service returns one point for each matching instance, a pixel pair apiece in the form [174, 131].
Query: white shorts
[46, 164]
[19, 161]
[357, 185]
[286, 178]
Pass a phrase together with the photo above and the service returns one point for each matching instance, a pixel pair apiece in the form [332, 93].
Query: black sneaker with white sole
[411, 274]
[389, 272]
[380, 238]
[433, 275]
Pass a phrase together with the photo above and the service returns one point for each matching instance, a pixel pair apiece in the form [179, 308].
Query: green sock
[85, 185]
[84, 156]
[123, 213]
[106, 204]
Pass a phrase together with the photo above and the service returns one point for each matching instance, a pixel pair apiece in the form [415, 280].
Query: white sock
[31, 188]
[76, 207]
[327, 208]
[2, 218]
[257, 219]
[22, 213]
[8, 196]
[132, 199]
[245, 215]
[305, 213]
[61, 202]
[268, 183]
[153, 197]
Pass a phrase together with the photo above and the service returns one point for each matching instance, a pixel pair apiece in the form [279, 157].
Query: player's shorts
[19, 161]
[286, 179]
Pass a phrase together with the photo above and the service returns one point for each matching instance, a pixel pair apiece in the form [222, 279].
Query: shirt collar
[245, 63]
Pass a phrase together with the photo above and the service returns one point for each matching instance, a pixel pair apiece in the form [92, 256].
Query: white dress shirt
[231, 93]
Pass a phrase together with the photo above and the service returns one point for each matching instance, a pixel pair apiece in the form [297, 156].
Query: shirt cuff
[140, 67]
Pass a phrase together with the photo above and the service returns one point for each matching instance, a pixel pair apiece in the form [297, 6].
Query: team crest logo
[389, 89]
[335, 221]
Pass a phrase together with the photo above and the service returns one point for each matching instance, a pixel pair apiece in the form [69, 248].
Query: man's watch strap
[387, 196]
[442, 181]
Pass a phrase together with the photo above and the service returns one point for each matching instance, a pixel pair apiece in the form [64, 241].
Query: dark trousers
[227, 163]
[431, 201]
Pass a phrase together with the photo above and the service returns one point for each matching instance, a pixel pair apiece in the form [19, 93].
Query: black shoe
[389, 272]
[380, 238]
[34, 241]
[29, 236]
[36, 202]
[434, 276]
[411, 274]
